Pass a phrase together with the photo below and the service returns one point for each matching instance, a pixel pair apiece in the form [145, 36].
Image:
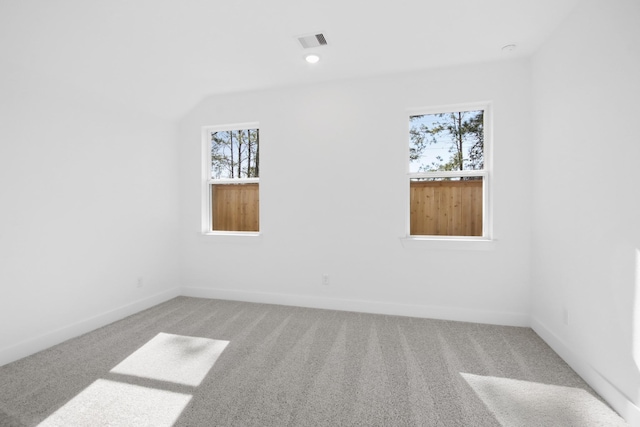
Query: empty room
[338, 213]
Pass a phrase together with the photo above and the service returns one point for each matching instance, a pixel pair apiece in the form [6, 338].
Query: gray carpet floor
[288, 366]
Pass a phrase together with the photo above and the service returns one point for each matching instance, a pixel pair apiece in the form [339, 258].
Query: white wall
[88, 205]
[586, 223]
[333, 179]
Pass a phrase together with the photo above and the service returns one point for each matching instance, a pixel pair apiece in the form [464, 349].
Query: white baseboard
[44, 341]
[363, 306]
[49, 339]
[609, 392]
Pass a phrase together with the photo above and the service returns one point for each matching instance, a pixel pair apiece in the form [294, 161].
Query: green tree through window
[447, 141]
[235, 154]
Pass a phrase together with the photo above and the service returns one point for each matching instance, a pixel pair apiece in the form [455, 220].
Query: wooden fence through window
[446, 208]
[437, 208]
[235, 207]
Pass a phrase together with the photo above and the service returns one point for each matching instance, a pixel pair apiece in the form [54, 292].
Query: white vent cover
[313, 40]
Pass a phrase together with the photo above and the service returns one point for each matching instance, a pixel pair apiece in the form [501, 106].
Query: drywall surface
[89, 206]
[333, 189]
[586, 232]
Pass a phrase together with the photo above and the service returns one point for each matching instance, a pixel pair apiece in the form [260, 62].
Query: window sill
[232, 236]
[448, 243]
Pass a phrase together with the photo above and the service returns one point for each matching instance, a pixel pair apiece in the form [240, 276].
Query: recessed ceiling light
[509, 48]
[312, 58]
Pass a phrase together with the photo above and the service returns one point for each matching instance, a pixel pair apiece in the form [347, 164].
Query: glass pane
[235, 207]
[446, 141]
[446, 206]
[235, 154]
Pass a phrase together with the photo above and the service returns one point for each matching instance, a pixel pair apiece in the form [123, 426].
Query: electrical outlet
[325, 279]
[140, 282]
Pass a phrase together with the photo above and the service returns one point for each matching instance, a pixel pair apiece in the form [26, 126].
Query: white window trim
[205, 197]
[484, 242]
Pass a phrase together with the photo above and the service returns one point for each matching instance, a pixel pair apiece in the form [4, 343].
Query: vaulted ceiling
[163, 56]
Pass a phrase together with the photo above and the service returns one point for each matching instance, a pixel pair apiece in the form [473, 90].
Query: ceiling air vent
[313, 40]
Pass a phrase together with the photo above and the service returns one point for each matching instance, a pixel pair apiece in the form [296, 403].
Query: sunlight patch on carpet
[114, 404]
[174, 358]
[517, 403]
[170, 358]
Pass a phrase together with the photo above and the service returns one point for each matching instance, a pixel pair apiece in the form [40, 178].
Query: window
[448, 173]
[231, 189]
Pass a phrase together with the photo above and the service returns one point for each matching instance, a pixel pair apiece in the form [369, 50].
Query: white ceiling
[163, 56]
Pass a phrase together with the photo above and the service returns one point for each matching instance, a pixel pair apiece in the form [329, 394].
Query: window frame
[485, 174]
[207, 181]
